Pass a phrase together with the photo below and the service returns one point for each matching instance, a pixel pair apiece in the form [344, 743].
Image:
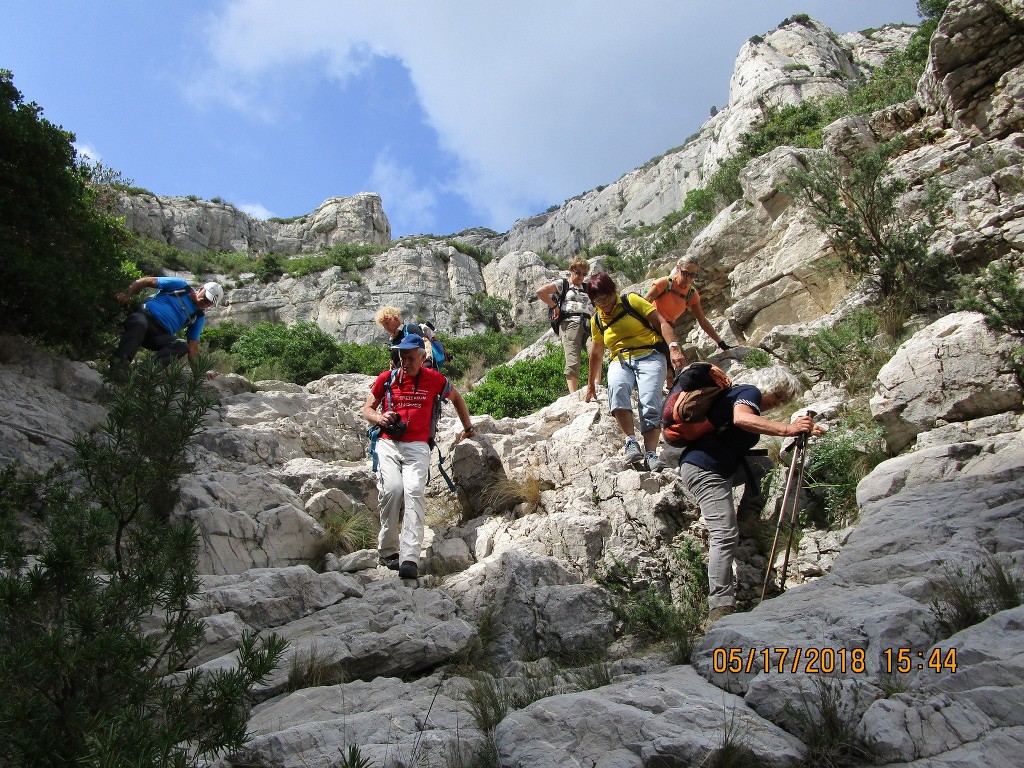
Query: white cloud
[255, 210]
[409, 208]
[536, 100]
[87, 152]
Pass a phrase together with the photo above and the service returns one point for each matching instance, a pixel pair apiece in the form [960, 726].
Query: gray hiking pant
[714, 495]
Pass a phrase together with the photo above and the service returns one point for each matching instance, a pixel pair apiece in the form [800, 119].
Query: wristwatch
[673, 345]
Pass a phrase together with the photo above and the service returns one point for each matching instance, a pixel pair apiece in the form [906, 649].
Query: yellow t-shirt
[622, 331]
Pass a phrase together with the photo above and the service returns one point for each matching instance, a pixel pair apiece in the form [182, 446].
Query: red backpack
[684, 416]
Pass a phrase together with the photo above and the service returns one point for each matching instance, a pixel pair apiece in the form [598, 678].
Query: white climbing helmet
[214, 293]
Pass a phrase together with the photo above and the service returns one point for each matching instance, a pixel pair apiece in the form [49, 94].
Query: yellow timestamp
[905, 660]
[808, 660]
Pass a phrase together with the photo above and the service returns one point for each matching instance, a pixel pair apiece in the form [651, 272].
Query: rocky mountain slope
[512, 574]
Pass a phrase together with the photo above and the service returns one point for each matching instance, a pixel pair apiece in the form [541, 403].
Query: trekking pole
[801, 454]
[794, 480]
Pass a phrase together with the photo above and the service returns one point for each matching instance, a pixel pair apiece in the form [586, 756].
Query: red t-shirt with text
[412, 398]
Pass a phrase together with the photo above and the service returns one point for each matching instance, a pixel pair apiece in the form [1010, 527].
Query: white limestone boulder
[956, 369]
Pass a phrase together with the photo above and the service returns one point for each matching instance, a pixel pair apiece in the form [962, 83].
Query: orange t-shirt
[671, 305]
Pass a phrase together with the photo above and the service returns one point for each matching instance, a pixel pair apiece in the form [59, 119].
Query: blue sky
[459, 114]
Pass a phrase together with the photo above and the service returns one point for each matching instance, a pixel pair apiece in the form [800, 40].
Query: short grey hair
[688, 259]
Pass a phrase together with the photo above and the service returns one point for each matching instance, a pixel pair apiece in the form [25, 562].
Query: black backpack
[629, 309]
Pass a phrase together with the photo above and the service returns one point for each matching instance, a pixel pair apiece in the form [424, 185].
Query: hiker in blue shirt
[156, 324]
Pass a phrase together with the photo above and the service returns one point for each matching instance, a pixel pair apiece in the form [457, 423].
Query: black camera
[396, 430]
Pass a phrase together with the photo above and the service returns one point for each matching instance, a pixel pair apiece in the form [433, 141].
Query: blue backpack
[437, 350]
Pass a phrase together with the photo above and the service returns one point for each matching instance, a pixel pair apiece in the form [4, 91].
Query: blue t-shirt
[174, 312]
[721, 451]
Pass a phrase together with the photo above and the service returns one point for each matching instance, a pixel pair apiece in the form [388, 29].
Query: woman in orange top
[676, 293]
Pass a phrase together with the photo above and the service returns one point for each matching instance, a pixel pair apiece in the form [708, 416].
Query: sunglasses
[687, 273]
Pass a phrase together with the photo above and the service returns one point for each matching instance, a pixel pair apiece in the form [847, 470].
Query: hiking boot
[408, 570]
[390, 562]
[654, 464]
[634, 454]
[718, 613]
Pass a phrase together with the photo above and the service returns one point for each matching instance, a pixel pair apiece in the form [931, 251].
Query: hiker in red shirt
[403, 403]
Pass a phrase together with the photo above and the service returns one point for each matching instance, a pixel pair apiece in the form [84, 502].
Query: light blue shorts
[646, 375]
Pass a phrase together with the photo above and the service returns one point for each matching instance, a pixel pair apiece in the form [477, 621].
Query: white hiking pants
[401, 477]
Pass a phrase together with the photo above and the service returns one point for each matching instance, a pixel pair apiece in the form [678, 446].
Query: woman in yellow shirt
[635, 364]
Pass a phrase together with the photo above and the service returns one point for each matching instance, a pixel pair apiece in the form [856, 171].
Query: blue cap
[409, 341]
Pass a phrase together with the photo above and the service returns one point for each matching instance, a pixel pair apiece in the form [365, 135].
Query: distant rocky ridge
[797, 61]
[199, 226]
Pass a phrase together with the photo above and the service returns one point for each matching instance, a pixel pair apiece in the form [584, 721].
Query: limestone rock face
[357, 219]
[680, 718]
[47, 401]
[975, 76]
[431, 281]
[956, 369]
[196, 225]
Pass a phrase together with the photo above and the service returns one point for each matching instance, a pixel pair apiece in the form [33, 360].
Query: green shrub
[826, 722]
[965, 596]
[97, 629]
[757, 358]
[350, 257]
[268, 268]
[491, 311]
[301, 353]
[298, 353]
[650, 612]
[633, 268]
[472, 355]
[62, 258]
[837, 461]
[998, 293]
[222, 336]
[854, 202]
[521, 388]
[152, 257]
[370, 359]
[481, 255]
[345, 532]
[851, 352]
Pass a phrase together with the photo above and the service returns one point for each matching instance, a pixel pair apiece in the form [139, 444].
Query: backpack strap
[685, 297]
[629, 309]
[435, 416]
[387, 403]
[178, 293]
